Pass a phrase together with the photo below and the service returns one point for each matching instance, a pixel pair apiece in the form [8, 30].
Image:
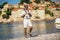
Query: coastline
[21, 20]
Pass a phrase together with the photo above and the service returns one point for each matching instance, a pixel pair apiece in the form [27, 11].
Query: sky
[15, 1]
[56, 0]
[10, 1]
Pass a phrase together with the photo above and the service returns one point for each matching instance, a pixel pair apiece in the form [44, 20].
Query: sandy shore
[52, 36]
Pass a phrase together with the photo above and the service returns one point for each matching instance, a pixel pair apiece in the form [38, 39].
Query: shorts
[27, 23]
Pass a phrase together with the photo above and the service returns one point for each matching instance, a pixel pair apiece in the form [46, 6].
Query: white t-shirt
[26, 21]
[26, 14]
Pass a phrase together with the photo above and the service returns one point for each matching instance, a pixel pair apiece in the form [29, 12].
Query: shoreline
[21, 20]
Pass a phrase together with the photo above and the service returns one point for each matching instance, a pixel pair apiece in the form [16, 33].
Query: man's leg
[25, 31]
[25, 28]
[30, 30]
[30, 27]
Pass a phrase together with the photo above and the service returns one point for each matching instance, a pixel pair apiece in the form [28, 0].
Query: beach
[45, 30]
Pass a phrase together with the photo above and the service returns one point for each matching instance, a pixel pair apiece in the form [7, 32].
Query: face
[26, 7]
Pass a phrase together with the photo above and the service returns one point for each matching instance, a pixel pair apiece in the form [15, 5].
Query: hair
[26, 6]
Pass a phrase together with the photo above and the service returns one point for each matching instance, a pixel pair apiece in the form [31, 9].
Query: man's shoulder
[23, 11]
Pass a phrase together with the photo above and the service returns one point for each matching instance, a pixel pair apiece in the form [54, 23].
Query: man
[27, 22]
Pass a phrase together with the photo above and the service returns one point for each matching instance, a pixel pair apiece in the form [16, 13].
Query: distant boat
[57, 22]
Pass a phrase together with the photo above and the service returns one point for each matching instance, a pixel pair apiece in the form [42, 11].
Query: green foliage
[37, 1]
[48, 0]
[37, 17]
[11, 8]
[0, 13]
[36, 8]
[57, 9]
[26, 1]
[22, 1]
[57, 5]
[49, 12]
[8, 12]
[53, 4]
[5, 16]
[2, 5]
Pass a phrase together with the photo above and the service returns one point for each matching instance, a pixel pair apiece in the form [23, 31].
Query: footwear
[26, 36]
[30, 35]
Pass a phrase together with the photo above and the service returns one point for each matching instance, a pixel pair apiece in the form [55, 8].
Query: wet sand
[45, 30]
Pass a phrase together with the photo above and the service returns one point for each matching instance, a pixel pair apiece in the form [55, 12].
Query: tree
[1, 6]
[21, 1]
[8, 12]
[0, 13]
[48, 11]
[26, 1]
[37, 1]
[7, 15]
[47, 0]
[4, 3]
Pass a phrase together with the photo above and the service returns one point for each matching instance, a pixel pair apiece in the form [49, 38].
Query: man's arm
[30, 13]
[22, 14]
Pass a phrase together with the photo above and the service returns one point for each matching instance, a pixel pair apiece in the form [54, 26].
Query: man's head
[26, 6]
